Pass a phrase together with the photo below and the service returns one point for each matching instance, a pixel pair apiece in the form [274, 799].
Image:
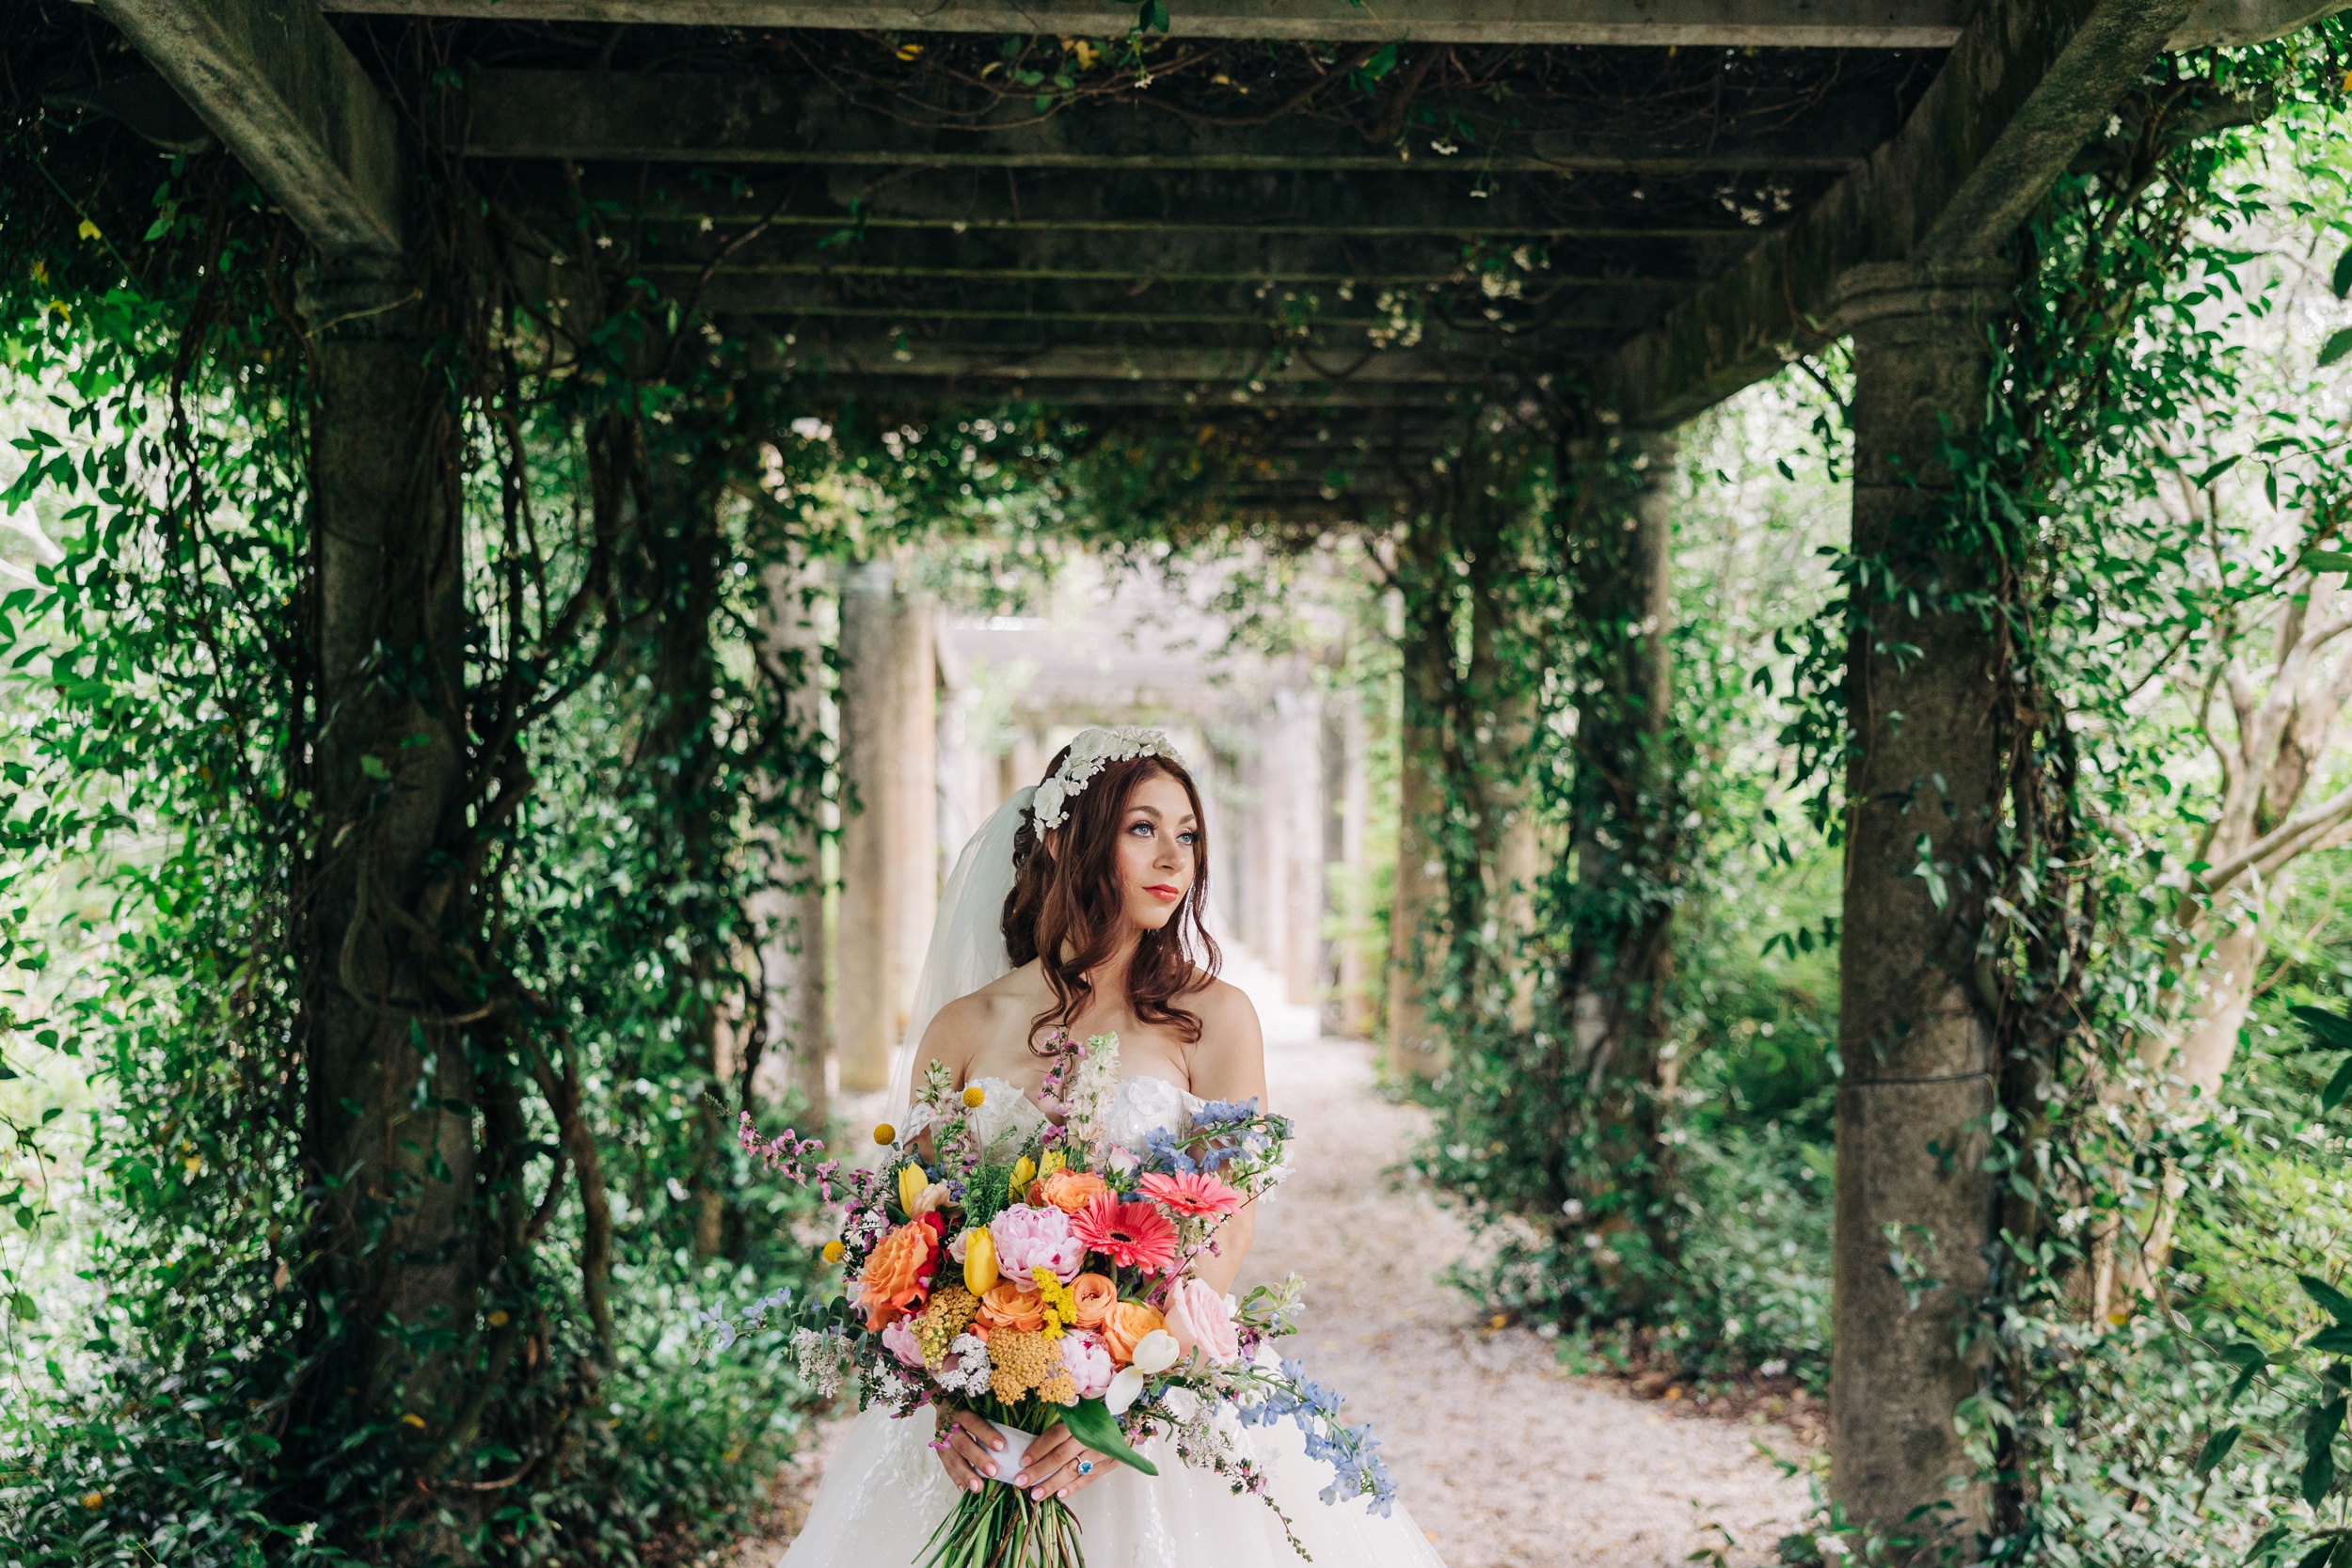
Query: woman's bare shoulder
[966, 1027]
[1226, 1014]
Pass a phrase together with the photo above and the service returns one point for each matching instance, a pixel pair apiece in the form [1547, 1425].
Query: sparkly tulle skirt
[883, 1493]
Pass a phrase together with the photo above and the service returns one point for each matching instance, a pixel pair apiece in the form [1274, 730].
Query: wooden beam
[1045, 305]
[272, 80]
[2029, 83]
[1688, 23]
[1020, 362]
[772, 118]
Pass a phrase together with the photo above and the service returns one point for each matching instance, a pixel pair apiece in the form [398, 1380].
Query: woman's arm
[1229, 1064]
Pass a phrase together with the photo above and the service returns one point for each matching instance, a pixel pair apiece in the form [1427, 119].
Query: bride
[1076, 911]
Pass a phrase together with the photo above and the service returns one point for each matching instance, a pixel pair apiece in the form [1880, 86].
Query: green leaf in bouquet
[2331, 1341]
[1090, 1423]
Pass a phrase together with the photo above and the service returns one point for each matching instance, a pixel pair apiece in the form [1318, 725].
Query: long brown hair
[1069, 908]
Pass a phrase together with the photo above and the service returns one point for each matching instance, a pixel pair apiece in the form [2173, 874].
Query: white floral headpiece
[1091, 751]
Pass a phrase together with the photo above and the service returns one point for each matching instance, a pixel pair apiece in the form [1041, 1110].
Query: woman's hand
[968, 1450]
[1059, 1466]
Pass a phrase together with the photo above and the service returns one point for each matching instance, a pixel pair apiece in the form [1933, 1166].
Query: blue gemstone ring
[1086, 1466]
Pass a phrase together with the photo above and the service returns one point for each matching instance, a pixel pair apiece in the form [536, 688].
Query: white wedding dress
[884, 1492]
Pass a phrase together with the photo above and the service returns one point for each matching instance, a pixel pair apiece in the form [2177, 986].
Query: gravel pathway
[1502, 1458]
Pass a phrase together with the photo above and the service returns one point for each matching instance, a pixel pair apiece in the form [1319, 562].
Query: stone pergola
[1122, 260]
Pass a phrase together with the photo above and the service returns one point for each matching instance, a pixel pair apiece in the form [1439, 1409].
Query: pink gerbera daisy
[1132, 1235]
[1192, 1193]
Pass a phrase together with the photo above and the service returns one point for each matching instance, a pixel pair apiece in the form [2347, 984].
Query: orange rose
[1128, 1322]
[896, 1273]
[1069, 1189]
[1094, 1297]
[1008, 1305]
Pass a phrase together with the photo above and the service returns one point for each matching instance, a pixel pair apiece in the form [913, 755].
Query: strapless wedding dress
[884, 1493]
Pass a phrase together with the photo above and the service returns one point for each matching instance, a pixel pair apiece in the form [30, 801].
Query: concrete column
[388, 781]
[1351, 795]
[800, 1020]
[1922, 787]
[1299, 840]
[889, 841]
[1416, 935]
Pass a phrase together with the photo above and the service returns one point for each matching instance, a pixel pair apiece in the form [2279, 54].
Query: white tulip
[1126, 1389]
[1156, 1352]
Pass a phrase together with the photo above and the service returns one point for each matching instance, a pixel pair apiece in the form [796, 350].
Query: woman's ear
[1051, 844]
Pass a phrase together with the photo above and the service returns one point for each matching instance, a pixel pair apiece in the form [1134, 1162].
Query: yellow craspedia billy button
[833, 1251]
[885, 1133]
[974, 1098]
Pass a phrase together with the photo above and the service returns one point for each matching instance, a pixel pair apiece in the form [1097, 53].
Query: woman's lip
[1161, 890]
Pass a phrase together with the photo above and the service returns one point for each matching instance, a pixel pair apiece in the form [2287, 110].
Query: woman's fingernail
[1022, 1480]
[975, 1483]
[1038, 1496]
[1063, 1492]
[998, 1444]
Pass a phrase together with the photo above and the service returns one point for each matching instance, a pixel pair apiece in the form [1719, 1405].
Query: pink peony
[1030, 1239]
[1132, 1235]
[900, 1341]
[1089, 1361]
[1198, 1316]
[1192, 1194]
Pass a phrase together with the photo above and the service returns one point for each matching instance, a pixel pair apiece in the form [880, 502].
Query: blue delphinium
[1353, 1452]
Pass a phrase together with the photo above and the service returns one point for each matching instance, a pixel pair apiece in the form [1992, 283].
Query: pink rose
[1198, 1316]
[900, 1341]
[1030, 1239]
[1089, 1361]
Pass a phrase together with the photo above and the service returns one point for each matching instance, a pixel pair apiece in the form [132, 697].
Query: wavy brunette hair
[1072, 904]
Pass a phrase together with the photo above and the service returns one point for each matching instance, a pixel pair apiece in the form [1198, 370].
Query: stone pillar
[1625, 607]
[889, 841]
[1352, 803]
[1297, 778]
[388, 781]
[1416, 934]
[1913, 1029]
[793, 913]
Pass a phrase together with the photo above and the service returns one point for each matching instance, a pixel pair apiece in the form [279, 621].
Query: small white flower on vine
[1092, 750]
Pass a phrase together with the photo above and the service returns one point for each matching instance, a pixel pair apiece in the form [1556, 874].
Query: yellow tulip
[975, 1097]
[1053, 1162]
[912, 1184]
[979, 1262]
[1024, 1172]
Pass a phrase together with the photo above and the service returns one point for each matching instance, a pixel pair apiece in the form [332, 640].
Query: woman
[1076, 911]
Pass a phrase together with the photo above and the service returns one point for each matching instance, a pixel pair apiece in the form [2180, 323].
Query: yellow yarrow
[950, 1313]
[1019, 1362]
[1061, 1388]
[1061, 1307]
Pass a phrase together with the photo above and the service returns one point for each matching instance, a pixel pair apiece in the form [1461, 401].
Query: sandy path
[1503, 1459]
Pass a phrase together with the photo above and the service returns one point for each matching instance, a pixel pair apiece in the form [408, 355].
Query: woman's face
[1157, 833]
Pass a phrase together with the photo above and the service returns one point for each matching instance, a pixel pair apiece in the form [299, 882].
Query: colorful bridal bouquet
[1034, 1272]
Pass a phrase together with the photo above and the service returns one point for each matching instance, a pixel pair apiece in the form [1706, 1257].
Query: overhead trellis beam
[1077, 361]
[2027, 85]
[1735, 23]
[770, 118]
[841, 204]
[281, 90]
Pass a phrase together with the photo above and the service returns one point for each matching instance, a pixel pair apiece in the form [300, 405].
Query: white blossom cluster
[1091, 752]
[966, 1370]
[819, 1357]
